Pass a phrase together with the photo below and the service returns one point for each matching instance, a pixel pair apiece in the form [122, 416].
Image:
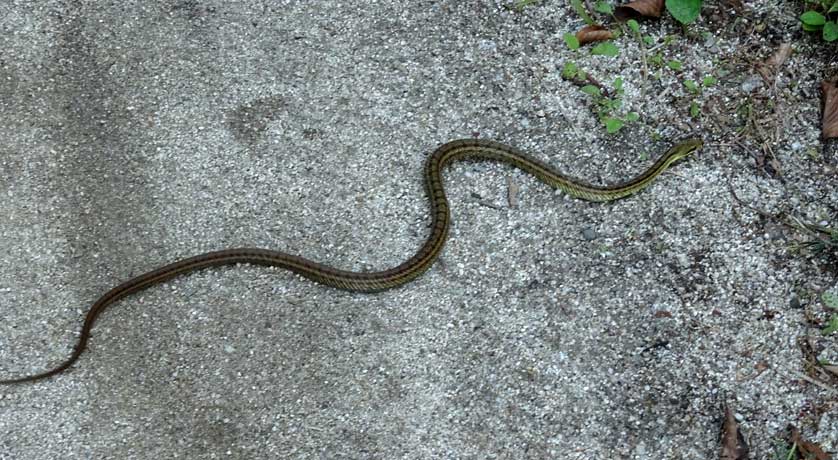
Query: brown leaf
[734, 446]
[780, 56]
[761, 366]
[663, 314]
[771, 66]
[829, 123]
[639, 8]
[806, 448]
[593, 33]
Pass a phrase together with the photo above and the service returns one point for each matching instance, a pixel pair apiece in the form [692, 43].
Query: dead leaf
[639, 8]
[593, 33]
[771, 66]
[806, 448]
[734, 446]
[512, 189]
[761, 366]
[663, 314]
[780, 56]
[829, 123]
[831, 368]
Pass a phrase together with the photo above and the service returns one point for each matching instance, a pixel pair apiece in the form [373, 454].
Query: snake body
[386, 279]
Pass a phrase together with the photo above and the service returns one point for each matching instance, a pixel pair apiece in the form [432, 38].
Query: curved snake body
[386, 279]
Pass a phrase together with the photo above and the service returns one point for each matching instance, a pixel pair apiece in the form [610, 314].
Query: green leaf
[830, 31]
[591, 90]
[633, 25]
[571, 40]
[618, 84]
[612, 125]
[831, 327]
[695, 110]
[709, 80]
[833, 8]
[657, 59]
[810, 28]
[830, 300]
[604, 8]
[813, 18]
[674, 65]
[581, 11]
[648, 40]
[691, 86]
[685, 11]
[632, 116]
[570, 70]
[605, 49]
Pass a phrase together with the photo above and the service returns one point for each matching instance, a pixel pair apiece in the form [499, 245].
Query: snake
[450, 152]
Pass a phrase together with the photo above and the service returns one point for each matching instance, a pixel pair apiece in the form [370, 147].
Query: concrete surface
[139, 132]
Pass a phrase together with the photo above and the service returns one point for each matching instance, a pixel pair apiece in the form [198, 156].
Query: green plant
[642, 42]
[571, 41]
[605, 49]
[608, 107]
[582, 12]
[604, 7]
[607, 104]
[684, 11]
[824, 238]
[572, 71]
[694, 88]
[822, 18]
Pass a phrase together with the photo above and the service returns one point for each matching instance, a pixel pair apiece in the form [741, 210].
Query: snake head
[685, 148]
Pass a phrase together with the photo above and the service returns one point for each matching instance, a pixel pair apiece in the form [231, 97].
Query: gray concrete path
[136, 132]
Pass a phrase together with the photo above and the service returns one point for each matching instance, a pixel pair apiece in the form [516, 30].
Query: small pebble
[683, 260]
[589, 234]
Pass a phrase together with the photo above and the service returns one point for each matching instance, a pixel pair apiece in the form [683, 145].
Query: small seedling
[605, 49]
[693, 87]
[607, 103]
[826, 239]
[607, 108]
[695, 110]
[604, 8]
[582, 12]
